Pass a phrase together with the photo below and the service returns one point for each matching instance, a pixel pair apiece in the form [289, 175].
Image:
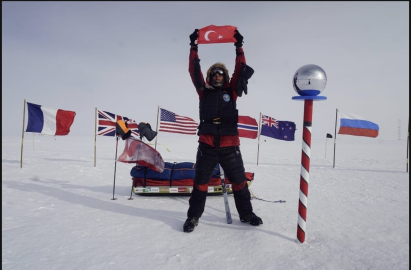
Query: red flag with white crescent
[216, 34]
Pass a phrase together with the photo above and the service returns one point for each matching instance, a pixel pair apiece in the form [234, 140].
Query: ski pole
[227, 207]
[131, 191]
[115, 165]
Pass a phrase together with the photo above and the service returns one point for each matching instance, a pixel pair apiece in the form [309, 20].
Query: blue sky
[130, 58]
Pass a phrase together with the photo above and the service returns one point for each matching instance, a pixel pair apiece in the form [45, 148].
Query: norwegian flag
[247, 127]
[107, 124]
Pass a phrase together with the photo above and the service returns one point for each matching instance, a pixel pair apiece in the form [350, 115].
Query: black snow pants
[232, 162]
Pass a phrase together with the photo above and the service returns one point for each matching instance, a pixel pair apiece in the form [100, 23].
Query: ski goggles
[217, 70]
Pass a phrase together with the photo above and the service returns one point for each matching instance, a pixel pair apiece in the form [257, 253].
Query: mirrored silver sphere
[309, 80]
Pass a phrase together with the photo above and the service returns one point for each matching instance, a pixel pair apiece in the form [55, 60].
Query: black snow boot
[190, 224]
[251, 218]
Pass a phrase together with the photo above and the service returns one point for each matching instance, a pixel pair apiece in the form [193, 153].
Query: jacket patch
[226, 97]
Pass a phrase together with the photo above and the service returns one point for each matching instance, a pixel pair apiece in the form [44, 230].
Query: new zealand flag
[280, 130]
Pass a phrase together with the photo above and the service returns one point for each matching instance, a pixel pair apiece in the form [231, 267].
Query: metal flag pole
[408, 139]
[328, 135]
[95, 135]
[115, 165]
[335, 135]
[259, 132]
[22, 135]
[158, 109]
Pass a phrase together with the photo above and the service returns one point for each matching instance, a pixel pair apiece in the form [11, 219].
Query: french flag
[48, 121]
[355, 125]
[247, 127]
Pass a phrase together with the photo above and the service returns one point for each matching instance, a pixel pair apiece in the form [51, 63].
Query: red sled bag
[176, 178]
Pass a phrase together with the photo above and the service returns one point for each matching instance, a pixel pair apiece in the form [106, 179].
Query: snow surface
[58, 212]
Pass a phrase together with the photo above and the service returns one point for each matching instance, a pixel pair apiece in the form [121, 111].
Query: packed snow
[58, 210]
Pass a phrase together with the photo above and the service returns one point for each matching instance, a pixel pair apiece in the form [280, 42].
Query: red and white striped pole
[308, 82]
[305, 170]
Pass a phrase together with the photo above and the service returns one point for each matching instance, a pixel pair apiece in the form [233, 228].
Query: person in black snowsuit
[218, 134]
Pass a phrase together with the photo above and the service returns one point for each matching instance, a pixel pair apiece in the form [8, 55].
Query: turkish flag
[216, 34]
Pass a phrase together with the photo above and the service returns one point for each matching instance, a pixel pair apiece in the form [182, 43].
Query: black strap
[219, 120]
[171, 174]
[145, 177]
[137, 181]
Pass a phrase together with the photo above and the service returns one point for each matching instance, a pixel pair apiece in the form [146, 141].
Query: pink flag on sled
[136, 151]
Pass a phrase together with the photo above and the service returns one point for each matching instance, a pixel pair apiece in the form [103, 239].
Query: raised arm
[194, 65]
[242, 72]
[240, 58]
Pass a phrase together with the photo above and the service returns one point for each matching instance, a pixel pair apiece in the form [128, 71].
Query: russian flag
[48, 121]
[247, 127]
[355, 125]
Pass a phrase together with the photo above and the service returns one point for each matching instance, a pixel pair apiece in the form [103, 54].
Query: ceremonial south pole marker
[308, 81]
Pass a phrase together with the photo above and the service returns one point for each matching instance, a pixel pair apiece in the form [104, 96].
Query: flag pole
[158, 109]
[408, 139]
[22, 134]
[95, 135]
[259, 131]
[335, 134]
[115, 166]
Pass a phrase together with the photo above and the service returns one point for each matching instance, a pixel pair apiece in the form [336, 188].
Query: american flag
[174, 123]
[107, 124]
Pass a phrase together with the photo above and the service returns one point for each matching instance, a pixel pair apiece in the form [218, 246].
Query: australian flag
[280, 130]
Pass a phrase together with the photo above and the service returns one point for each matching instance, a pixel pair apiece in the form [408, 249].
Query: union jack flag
[107, 124]
[269, 121]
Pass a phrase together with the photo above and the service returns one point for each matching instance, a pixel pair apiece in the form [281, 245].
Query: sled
[177, 178]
